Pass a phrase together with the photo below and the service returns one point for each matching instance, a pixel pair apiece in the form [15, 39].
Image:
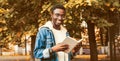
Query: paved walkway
[87, 58]
[14, 58]
[76, 58]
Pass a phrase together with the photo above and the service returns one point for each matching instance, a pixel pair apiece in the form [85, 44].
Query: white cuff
[46, 53]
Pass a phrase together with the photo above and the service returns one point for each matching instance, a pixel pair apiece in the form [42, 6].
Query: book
[71, 42]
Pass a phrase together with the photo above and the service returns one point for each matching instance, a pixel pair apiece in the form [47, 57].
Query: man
[48, 45]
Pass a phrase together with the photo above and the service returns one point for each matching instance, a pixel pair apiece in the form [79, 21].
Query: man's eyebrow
[59, 14]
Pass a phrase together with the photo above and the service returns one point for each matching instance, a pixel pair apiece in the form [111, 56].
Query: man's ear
[51, 14]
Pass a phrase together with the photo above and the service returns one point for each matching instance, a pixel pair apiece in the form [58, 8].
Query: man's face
[58, 16]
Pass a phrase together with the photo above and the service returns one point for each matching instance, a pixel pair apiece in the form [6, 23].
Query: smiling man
[48, 45]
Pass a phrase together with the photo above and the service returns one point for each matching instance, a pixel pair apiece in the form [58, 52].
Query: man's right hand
[60, 47]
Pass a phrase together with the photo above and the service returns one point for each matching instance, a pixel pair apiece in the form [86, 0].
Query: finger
[63, 49]
[65, 45]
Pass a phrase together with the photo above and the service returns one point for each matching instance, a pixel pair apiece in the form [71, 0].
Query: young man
[49, 37]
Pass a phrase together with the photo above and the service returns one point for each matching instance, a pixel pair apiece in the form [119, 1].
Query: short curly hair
[59, 6]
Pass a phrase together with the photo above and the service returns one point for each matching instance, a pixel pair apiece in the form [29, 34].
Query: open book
[71, 42]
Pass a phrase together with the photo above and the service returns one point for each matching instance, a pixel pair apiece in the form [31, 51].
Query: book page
[71, 42]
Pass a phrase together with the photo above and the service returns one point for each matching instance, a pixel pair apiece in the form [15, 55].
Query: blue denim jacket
[44, 41]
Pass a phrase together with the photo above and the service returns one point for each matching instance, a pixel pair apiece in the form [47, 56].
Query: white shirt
[59, 35]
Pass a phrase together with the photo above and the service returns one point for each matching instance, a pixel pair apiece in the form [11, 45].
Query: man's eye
[57, 14]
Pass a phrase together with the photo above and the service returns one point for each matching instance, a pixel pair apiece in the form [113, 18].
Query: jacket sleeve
[40, 50]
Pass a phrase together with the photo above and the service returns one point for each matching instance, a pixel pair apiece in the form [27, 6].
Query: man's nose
[60, 17]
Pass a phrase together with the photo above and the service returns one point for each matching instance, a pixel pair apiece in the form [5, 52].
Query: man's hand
[76, 48]
[60, 47]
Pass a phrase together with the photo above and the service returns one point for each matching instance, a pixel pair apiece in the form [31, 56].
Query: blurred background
[97, 22]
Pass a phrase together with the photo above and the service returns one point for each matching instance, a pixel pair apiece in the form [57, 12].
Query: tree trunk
[25, 46]
[112, 56]
[92, 41]
[33, 37]
[0, 50]
[101, 37]
[113, 31]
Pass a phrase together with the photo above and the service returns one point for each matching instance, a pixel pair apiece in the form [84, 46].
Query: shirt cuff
[46, 53]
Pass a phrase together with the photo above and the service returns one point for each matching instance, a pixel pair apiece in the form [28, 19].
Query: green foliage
[25, 16]
[19, 16]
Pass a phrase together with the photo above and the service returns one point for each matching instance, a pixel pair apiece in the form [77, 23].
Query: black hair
[59, 6]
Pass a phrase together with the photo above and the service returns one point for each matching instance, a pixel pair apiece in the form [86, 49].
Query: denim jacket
[44, 41]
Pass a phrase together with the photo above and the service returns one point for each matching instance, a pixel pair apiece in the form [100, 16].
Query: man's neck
[56, 27]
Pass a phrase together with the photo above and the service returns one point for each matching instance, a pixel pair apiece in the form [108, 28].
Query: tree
[18, 18]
